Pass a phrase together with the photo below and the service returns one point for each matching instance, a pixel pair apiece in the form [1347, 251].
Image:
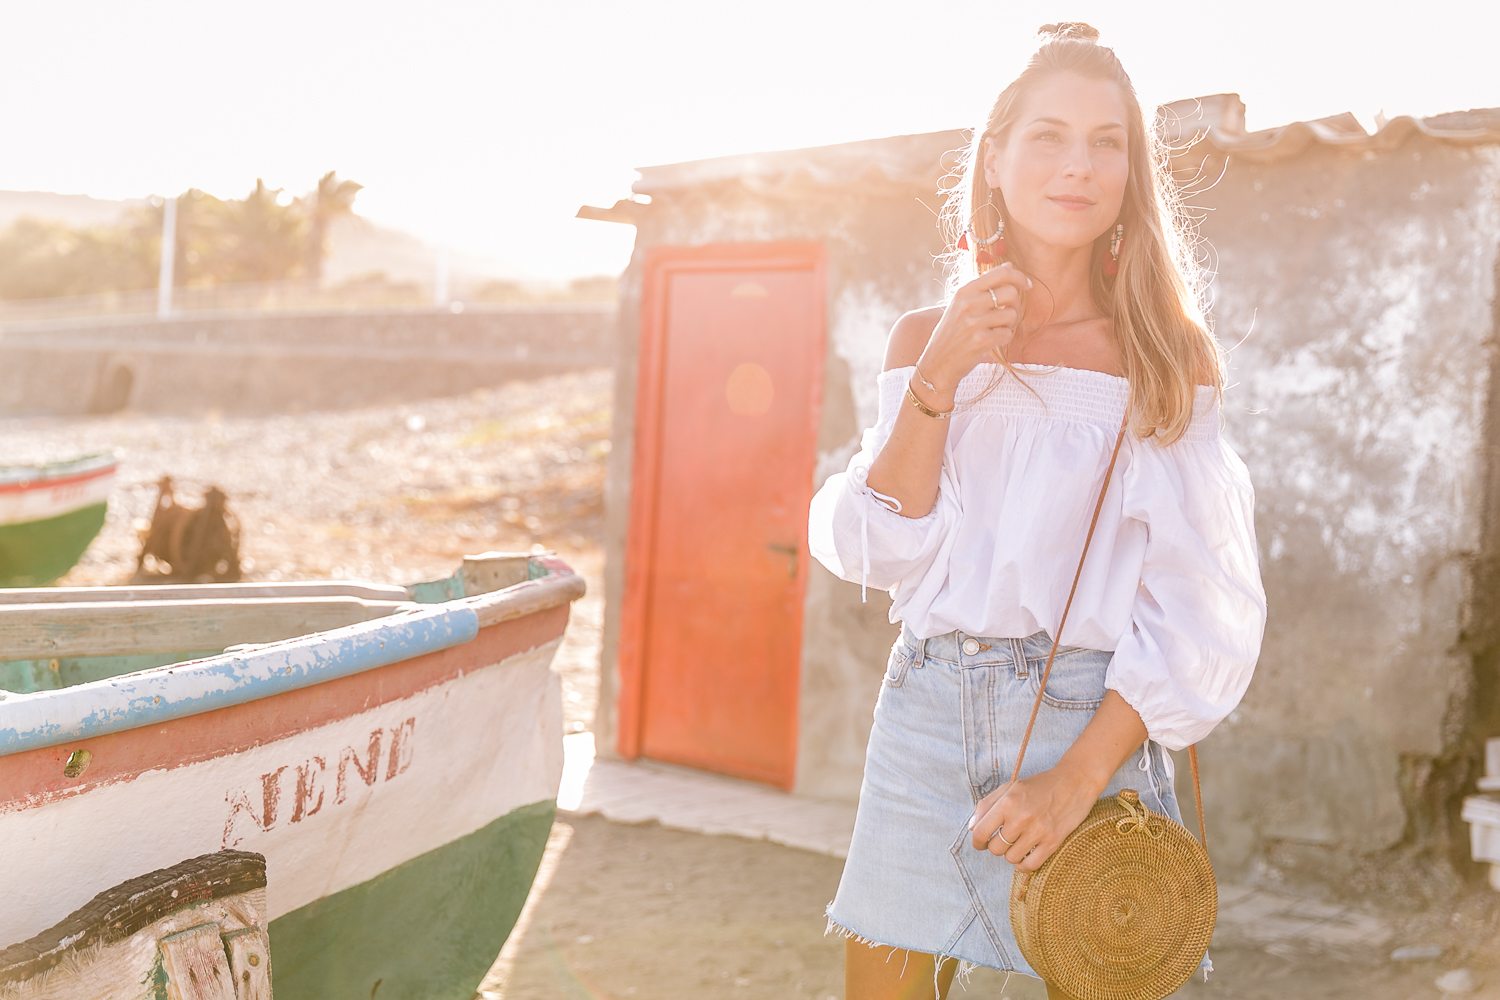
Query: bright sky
[484, 125]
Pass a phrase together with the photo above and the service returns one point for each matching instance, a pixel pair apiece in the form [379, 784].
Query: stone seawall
[290, 363]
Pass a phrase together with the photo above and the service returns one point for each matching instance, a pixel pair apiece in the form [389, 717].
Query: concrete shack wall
[1357, 293]
[1363, 286]
[879, 243]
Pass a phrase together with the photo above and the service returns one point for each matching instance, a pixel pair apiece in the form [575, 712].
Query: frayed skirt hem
[965, 966]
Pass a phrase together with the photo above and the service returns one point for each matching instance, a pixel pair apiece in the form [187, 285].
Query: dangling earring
[989, 251]
[1112, 266]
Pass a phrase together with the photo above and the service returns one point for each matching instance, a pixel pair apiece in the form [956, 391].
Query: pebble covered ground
[391, 494]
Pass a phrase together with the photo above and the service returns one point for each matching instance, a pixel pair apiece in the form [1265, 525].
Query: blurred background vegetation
[269, 249]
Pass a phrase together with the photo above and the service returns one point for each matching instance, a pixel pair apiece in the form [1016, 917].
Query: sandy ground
[645, 912]
[399, 494]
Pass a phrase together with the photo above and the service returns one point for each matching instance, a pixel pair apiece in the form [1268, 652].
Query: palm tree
[263, 237]
[332, 199]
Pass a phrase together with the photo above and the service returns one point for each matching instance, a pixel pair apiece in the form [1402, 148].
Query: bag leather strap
[1057, 637]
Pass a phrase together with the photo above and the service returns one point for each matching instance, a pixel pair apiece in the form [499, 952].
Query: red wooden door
[731, 371]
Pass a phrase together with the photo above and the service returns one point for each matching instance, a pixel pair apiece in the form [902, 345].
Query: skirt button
[971, 646]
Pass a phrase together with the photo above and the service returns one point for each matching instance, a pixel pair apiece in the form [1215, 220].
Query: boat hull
[471, 890]
[402, 810]
[48, 517]
[34, 553]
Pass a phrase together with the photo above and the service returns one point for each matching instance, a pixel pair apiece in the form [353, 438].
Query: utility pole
[168, 258]
[440, 279]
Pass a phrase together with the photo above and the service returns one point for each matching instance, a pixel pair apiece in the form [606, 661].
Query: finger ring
[994, 299]
[997, 833]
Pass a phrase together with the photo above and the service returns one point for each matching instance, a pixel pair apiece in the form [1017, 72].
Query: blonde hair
[1156, 299]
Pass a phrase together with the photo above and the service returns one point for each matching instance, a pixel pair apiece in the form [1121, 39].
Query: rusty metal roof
[1224, 117]
[1216, 121]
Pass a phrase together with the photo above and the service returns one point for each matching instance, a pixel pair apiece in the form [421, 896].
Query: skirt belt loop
[920, 644]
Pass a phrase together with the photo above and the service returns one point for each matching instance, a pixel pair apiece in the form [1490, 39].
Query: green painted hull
[34, 553]
[427, 930]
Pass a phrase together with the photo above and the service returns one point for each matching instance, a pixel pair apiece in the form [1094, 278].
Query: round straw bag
[1125, 907]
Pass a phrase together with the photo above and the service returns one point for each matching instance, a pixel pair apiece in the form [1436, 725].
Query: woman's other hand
[1036, 814]
[979, 321]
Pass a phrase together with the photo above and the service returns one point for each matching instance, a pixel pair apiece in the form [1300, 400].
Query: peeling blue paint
[147, 697]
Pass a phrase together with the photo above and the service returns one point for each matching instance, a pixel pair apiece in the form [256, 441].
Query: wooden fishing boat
[393, 752]
[48, 516]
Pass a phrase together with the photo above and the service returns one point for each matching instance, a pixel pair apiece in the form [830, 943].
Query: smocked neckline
[1120, 379]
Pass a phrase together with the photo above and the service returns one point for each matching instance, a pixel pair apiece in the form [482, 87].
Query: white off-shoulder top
[1172, 582]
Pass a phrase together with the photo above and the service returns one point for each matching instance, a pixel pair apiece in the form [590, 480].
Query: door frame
[660, 263]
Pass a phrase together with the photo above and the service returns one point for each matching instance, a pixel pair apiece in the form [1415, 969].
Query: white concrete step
[697, 801]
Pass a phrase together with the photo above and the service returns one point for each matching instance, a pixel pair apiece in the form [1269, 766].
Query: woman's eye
[1113, 142]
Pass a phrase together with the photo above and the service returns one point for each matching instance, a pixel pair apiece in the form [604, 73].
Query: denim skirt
[948, 725]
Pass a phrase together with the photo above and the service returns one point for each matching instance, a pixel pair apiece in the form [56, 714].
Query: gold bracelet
[940, 414]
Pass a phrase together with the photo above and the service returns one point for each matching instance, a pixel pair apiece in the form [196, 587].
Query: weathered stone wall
[1363, 289]
[289, 363]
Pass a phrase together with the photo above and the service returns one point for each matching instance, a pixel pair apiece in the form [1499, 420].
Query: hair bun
[1078, 30]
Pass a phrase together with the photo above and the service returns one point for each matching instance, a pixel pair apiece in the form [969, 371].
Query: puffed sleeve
[860, 534]
[1200, 610]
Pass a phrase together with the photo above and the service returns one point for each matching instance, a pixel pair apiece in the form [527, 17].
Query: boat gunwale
[35, 720]
[201, 592]
[24, 477]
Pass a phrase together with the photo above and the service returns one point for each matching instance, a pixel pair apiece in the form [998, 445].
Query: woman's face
[1069, 140]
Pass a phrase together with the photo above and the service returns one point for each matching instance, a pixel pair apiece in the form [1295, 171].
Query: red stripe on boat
[52, 483]
[35, 777]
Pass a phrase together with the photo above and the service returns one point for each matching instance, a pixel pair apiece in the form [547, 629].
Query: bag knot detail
[1138, 817]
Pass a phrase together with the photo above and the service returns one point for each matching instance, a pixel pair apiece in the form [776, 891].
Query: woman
[1073, 293]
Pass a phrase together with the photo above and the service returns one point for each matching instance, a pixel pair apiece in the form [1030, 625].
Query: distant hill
[356, 246]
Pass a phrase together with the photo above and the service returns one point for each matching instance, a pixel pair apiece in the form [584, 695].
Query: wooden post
[196, 965]
[250, 963]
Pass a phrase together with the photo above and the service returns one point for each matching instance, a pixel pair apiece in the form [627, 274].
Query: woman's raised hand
[980, 321]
